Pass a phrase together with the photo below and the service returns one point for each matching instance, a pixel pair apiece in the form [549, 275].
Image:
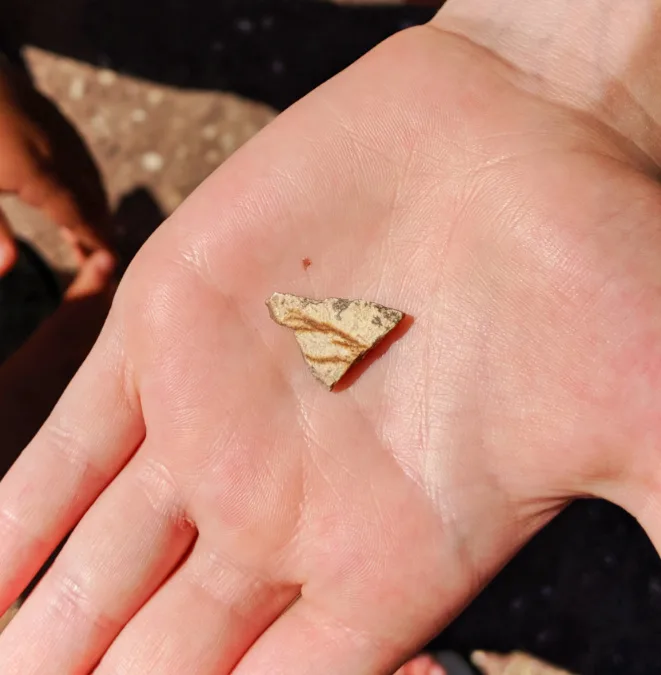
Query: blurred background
[163, 91]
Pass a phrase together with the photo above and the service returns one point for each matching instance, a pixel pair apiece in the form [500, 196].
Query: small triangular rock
[333, 334]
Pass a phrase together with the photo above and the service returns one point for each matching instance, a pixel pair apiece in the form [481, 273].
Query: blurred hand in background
[46, 164]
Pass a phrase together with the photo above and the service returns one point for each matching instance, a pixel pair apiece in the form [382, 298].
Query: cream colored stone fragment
[333, 334]
[516, 663]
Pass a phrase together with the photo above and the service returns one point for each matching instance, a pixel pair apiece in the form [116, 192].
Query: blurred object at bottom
[516, 663]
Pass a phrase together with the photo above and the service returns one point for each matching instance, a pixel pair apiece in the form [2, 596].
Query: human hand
[45, 163]
[230, 514]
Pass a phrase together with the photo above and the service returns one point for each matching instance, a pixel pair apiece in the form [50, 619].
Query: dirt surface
[145, 135]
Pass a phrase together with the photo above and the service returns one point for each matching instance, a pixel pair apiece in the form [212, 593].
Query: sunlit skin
[234, 517]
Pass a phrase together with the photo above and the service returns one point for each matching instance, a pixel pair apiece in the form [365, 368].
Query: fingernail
[437, 669]
[104, 261]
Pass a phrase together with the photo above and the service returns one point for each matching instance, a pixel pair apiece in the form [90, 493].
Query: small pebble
[155, 96]
[107, 78]
[100, 125]
[152, 162]
[138, 115]
[210, 132]
[77, 89]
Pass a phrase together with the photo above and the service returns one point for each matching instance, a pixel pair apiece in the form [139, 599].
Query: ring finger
[103, 576]
[201, 621]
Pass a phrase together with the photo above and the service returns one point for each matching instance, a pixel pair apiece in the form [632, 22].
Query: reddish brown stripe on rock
[335, 333]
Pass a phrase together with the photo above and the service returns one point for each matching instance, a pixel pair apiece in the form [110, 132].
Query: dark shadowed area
[274, 51]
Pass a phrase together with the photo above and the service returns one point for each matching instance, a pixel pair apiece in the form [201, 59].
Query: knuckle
[162, 492]
[72, 601]
[10, 525]
[230, 582]
[65, 441]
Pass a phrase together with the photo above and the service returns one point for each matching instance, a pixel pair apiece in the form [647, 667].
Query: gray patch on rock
[340, 306]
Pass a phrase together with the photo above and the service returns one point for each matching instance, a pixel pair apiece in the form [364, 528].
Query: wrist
[602, 57]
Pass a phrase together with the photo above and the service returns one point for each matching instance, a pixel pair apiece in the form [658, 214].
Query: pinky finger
[88, 438]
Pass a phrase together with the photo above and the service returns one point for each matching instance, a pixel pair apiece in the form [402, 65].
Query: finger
[201, 621]
[104, 574]
[8, 250]
[46, 193]
[87, 439]
[94, 277]
[310, 642]
[308, 639]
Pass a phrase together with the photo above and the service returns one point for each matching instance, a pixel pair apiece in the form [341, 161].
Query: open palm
[232, 515]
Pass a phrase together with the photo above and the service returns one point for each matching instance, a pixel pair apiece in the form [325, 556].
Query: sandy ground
[147, 138]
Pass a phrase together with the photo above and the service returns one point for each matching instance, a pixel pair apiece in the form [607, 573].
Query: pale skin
[230, 515]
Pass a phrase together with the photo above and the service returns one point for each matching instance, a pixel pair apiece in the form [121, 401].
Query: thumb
[8, 250]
